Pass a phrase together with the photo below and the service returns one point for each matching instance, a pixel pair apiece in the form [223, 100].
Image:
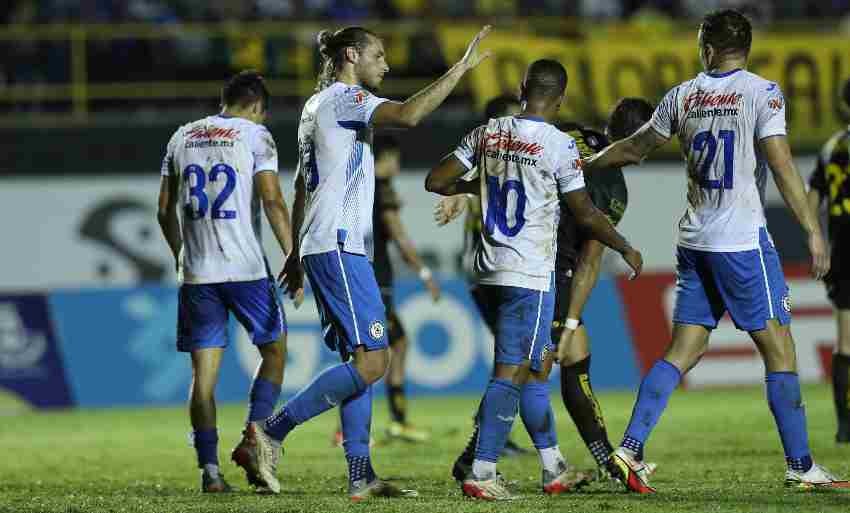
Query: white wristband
[571, 324]
[425, 274]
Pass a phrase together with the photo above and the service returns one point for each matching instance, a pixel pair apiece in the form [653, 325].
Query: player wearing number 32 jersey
[731, 125]
[525, 167]
[216, 173]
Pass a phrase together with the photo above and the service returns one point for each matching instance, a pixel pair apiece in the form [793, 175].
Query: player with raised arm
[525, 167]
[830, 182]
[731, 125]
[215, 170]
[334, 194]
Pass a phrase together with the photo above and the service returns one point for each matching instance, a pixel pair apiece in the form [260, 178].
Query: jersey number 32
[198, 191]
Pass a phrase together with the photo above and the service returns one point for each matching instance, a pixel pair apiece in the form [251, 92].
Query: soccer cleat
[815, 477]
[406, 432]
[567, 479]
[257, 453]
[602, 477]
[632, 473]
[487, 489]
[361, 490]
[217, 484]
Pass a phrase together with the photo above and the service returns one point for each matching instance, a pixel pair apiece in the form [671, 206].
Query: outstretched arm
[790, 185]
[410, 112]
[600, 228]
[630, 150]
[392, 221]
[445, 178]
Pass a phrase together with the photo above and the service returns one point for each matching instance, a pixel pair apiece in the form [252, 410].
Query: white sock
[551, 458]
[630, 452]
[483, 470]
[211, 469]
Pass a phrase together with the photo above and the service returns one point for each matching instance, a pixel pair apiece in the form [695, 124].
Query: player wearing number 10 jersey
[731, 125]
[525, 167]
[218, 170]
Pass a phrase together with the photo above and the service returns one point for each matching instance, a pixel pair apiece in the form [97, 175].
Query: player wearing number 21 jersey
[526, 166]
[216, 174]
[731, 125]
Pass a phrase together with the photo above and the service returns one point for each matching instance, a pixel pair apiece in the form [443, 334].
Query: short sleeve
[355, 107]
[568, 174]
[264, 150]
[663, 120]
[168, 159]
[770, 112]
[467, 150]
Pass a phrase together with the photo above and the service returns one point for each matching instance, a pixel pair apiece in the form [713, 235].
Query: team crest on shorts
[786, 303]
[376, 330]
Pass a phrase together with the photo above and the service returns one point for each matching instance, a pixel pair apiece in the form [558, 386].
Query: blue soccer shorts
[522, 320]
[203, 313]
[749, 285]
[349, 301]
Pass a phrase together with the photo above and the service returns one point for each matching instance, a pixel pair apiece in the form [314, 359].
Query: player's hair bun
[324, 40]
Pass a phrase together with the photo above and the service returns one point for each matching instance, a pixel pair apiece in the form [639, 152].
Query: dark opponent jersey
[832, 179]
[386, 199]
[607, 189]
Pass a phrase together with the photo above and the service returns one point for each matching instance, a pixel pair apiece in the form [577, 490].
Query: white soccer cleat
[567, 479]
[361, 490]
[487, 489]
[815, 477]
[634, 474]
[258, 454]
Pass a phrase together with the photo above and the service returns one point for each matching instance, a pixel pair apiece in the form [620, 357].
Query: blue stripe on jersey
[355, 177]
[352, 125]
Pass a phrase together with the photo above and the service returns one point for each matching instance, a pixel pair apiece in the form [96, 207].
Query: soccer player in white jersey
[216, 173]
[332, 214]
[525, 167]
[731, 125]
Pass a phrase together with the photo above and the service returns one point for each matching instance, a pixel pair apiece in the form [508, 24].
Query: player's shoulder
[837, 143]
[757, 82]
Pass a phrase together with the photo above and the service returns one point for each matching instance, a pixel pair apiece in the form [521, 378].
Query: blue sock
[356, 419]
[536, 412]
[655, 390]
[206, 446]
[263, 397]
[496, 417]
[330, 388]
[786, 404]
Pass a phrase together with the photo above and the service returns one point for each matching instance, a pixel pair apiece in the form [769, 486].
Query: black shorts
[396, 330]
[563, 295]
[838, 279]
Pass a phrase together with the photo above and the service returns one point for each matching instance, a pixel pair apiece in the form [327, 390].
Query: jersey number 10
[497, 206]
[197, 191]
[706, 143]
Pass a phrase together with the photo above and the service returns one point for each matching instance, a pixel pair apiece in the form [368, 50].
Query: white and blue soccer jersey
[726, 260]
[215, 160]
[338, 167]
[719, 120]
[222, 264]
[524, 163]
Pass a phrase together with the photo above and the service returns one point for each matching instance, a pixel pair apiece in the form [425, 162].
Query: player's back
[338, 167]
[215, 159]
[719, 120]
[524, 163]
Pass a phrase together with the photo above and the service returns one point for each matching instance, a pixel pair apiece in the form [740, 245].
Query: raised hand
[472, 57]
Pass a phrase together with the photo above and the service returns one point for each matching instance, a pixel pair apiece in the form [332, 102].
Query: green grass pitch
[717, 450]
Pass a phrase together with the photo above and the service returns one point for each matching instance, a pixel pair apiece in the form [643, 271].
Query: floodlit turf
[717, 451]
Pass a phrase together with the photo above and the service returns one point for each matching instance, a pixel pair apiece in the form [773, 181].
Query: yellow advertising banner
[811, 70]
